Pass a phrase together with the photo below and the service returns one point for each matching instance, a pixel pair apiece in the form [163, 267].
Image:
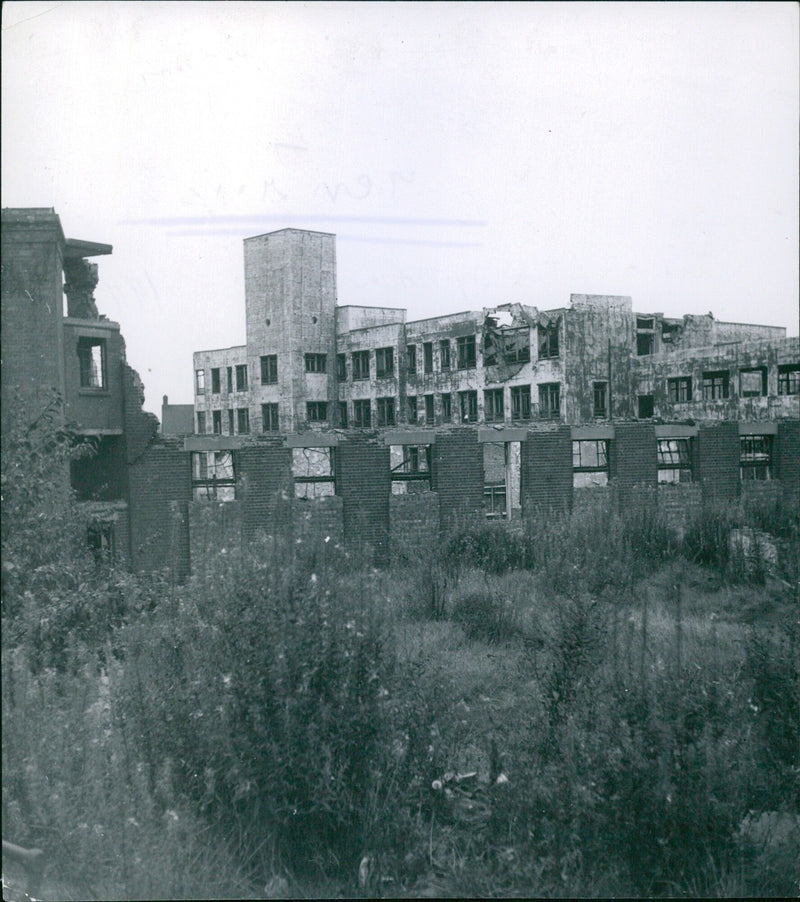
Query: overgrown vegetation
[601, 706]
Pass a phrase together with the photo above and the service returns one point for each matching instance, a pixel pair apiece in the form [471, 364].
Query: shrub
[485, 617]
[494, 549]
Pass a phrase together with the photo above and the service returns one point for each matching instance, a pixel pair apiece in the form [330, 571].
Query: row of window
[239, 418]
[239, 371]
[715, 385]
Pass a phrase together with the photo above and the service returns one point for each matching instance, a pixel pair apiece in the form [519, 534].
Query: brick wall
[787, 454]
[679, 502]
[140, 428]
[363, 481]
[215, 528]
[633, 460]
[264, 485]
[316, 520]
[414, 523]
[546, 471]
[159, 491]
[457, 476]
[718, 460]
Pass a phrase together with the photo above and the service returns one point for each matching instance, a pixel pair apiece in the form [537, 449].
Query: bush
[485, 617]
[493, 549]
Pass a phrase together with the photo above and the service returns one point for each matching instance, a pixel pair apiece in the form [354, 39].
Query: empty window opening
[269, 369]
[213, 476]
[201, 422]
[229, 378]
[755, 457]
[674, 460]
[231, 419]
[269, 418]
[243, 420]
[789, 379]
[92, 363]
[341, 367]
[589, 463]
[753, 382]
[215, 381]
[216, 418]
[362, 413]
[548, 340]
[411, 360]
[550, 400]
[313, 472]
[679, 390]
[600, 405]
[447, 407]
[645, 407]
[430, 418]
[493, 409]
[411, 409]
[715, 385]
[199, 382]
[360, 365]
[316, 363]
[317, 411]
[495, 489]
[384, 363]
[521, 402]
[468, 406]
[98, 472]
[410, 468]
[241, 377]
[386, 415]
[506, 346]
[444, 354]
[427, 356]
[101, 541]
[343, 414]
[466, 352]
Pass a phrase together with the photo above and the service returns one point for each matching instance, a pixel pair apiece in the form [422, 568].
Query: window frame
[359, 358]
[314, 480]
[411, 360]
[788, 379]
[412, 410]
[600, 390]
[341, 367]
[199, 381]
[201, 422]
[491, 414]
[468, 406]
[548, 343]
[675, 456]
[430, 410]
[709, 385]
[317, 411]
[269, 369]
[386, 411]
[521, 399]
[752, 371]
[756, 465]
[427, 357]
[215, 380]
[270, 417]
[243, 419]
[466, 349]
[384, 363]
[600, 466]
[316, 363]
[548, 390]
[679, 389]
[359, 406]
[207, 487]
[216, 422]
[242, 379]
[444, 355]
[447, 406]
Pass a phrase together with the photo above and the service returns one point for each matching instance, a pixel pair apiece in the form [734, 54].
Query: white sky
[466, 155]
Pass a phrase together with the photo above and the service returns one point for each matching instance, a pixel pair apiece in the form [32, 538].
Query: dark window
[269, 418]
[444, 353]
[241, 377]
[386, 412]
[466, 352]
[789, 379]
[645, 407]
[313, 472]
[427, 356]
[521, 402]
[644, 343]
[360, 365]
[229, 378]
[412, 409]
[316, 363]
[243, 420]
[429, 414]
[411, 359]
[549, 400]
[92, 363]
[447, 407]
[468, 401]
[493, 405]
[101, 540]
[362, 413]
[715, 385]
[548, 341]
[680, 390]
[589, 463]
[753, 382]
[674, 460]
[755, 457]
[507, 346]
[216, 416]
[201, 422]
[600, 399]
[317, 411]
[384, 363]
[199, 380]
[215, 387]
[343, 414]
[231, 418]
[269, 369]
[341, 367]
[213, 476]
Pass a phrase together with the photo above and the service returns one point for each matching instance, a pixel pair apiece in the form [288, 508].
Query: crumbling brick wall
[264, 485]
[787, 454]
[457, 476]
[414, 524]
[363, 481]
[546, 472]
[718, 460]
[633, 461]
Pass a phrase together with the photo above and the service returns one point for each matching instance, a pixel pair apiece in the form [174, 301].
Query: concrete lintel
[91, 325]
[588, 433]
[213, 442]
[679, 430]
[311, 440]
[410, 437]
[98, 433]
[503, 434]
[758, 428]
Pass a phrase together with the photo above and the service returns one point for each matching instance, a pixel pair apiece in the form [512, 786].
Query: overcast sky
[466, 155]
